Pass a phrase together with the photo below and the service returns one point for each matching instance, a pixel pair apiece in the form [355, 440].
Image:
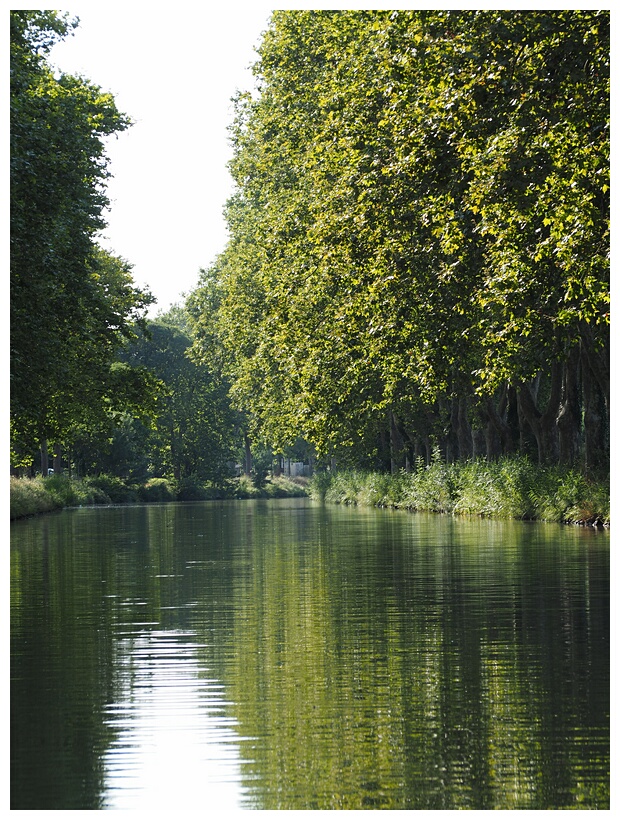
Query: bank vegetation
[33, 496]
[509, 488]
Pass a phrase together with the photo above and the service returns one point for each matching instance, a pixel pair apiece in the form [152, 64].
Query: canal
[290, 655]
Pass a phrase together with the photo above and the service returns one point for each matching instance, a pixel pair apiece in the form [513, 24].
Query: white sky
[173, 70]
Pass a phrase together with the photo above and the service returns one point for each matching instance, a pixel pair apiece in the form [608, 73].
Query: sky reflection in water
[174, 746]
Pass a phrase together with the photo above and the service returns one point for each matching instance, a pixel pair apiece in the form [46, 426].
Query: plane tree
[72, 304]
[192, 426]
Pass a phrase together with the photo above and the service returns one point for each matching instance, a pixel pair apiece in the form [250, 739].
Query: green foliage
[72, 303]
[273, 487]
[345, 487]
[192, 488]
[193, 429]
[114, 488]
[509, 488]
[421, 213]
[68, 493]
[567, 495]
[262, 462]
[246, 488]
[433, 487]
[500, 489]
[39, 495]
[418, 258]
[319, 485]
[29, 497]
[158, 489]
[283, 487]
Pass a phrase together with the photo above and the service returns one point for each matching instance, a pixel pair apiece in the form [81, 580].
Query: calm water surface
[288, 655]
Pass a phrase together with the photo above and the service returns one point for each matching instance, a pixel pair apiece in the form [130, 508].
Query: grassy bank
[509, 488]
[38, 495]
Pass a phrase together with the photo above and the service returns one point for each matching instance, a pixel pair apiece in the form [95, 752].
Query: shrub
[319, 485]
[191, 488]
[70, 492]
[375, 490]
[246, 488]
[511, 487]
[433, 487]
[114, 488]
[344, 487]
[28, 496]
[593, 503]
[515, 479]
[501, 489]
[569, 496]
[157, 489]
[283, 487]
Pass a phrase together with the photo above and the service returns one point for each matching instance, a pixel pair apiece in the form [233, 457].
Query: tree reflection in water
[296, 656]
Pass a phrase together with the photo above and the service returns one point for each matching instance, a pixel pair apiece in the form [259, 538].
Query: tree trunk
[598, 359]
[498, 418]
[247, 462]
[397, 445]
[492, 428]
[596, 454]
[463, 430]
[453, 451]
[44, 458]
[478, 443]
[175, 455]
[57, 459]
[491, 441]
[569, 417]
[543, 424]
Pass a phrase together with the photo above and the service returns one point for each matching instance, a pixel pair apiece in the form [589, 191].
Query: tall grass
[31, 496]
[512, 487]
[273, 487]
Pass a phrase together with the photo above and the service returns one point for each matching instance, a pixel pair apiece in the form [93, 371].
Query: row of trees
[419, 238]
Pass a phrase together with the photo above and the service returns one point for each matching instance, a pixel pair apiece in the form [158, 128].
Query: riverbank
[33, 496]
[511, 488]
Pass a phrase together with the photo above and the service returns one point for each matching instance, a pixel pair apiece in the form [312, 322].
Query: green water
[288, 655]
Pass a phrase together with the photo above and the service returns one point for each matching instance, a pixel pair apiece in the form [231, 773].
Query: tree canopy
[72, 303]
[418, 254]
[419, 236]
[193, 426]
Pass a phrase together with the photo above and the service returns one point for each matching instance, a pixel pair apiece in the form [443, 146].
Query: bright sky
[173, 70]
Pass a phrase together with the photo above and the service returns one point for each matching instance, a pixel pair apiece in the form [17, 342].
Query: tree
[72, 304]
[193, 426]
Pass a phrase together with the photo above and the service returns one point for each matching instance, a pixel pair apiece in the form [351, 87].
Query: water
[288, 655]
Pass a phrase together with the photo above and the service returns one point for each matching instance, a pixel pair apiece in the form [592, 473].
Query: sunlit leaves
[422, 207]
[71, 303]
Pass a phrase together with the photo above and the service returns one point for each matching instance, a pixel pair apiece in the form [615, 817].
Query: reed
[512, 487]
